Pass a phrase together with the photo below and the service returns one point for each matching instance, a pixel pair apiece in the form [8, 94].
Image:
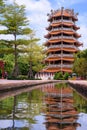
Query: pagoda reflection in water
[61, 112]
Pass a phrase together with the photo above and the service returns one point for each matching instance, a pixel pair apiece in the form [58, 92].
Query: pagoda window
[66, 18]
[57, 18]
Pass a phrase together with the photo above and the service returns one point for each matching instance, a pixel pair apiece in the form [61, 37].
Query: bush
[20, 77]
[60, 76]
[65, 76]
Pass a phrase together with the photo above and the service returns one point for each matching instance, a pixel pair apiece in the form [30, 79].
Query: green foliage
[61, 85]
[22, 77]
[34, 56]
[80, 64]
[61, 76]
[58, 76]
[23, 65]
[65, 76]
[9, 63]
[2, 5]
[15, 23]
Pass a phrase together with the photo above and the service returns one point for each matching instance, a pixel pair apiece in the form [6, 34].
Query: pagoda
[61, 112]
[62, 41]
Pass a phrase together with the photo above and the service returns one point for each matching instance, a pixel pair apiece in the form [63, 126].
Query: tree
[80, 64]
[1, 6]
[16, 23]
[34, 55]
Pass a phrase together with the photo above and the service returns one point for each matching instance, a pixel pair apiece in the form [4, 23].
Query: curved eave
[69, 32]
[75, 18]
[79, 44]
[67, 70]
[58, 49]
[75, 27]
[47, 36]
[62, 39]
[49, 28]
[68, 59]
[52, 70]
[62, 31]
[70, 50]
[77, 35]
[56, 59]
[59, 40]
[58, 70]
[61, 23]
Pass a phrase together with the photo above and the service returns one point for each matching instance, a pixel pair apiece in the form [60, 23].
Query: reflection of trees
[28, 106]
[6, 107]
[13, 114]
[61, 113]
[80, 104]
[22, 107]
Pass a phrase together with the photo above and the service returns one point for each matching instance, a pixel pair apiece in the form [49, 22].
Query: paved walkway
[13, 84]
[79, 82]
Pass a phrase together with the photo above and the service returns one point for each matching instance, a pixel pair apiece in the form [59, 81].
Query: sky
[36, 12]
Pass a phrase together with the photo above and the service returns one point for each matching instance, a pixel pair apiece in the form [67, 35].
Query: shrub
[65, 76]
[58, 76]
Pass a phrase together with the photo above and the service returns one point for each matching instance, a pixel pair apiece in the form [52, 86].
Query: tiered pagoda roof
[62, 40]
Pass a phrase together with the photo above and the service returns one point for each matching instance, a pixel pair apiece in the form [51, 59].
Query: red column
[2, 68]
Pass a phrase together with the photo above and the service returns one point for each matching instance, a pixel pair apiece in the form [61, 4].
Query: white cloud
[67, 3]
[37, 14]
[83, 29]
[6, 37]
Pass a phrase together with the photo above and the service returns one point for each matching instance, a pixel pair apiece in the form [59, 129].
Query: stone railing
[62, 20]
[62, 28]
[60, 37]
[59, 55]
[59, 66]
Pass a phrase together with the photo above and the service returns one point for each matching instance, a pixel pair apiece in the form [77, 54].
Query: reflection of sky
[82, 120]
[39, 126]
[23, 123]
[9, 123]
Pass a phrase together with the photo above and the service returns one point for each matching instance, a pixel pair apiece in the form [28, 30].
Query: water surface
[44, 107]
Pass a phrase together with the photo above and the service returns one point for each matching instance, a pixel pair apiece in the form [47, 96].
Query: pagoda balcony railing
[59, 55]
[68, 29]
[54, 46]
[67, 65]
[53, 66]
[62, 46]
[53, 55]
[62, 20]
[69, 46]
[60, 37]
[59, 66]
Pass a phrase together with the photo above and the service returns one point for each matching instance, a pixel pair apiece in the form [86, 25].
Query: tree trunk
[15, 72]
[30, 72]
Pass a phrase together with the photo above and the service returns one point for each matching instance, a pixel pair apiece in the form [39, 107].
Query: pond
[45, 107]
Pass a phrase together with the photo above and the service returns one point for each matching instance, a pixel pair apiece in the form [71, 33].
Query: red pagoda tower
[62, 41]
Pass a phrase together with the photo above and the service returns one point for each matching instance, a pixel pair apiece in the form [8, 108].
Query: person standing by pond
[5, 75]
